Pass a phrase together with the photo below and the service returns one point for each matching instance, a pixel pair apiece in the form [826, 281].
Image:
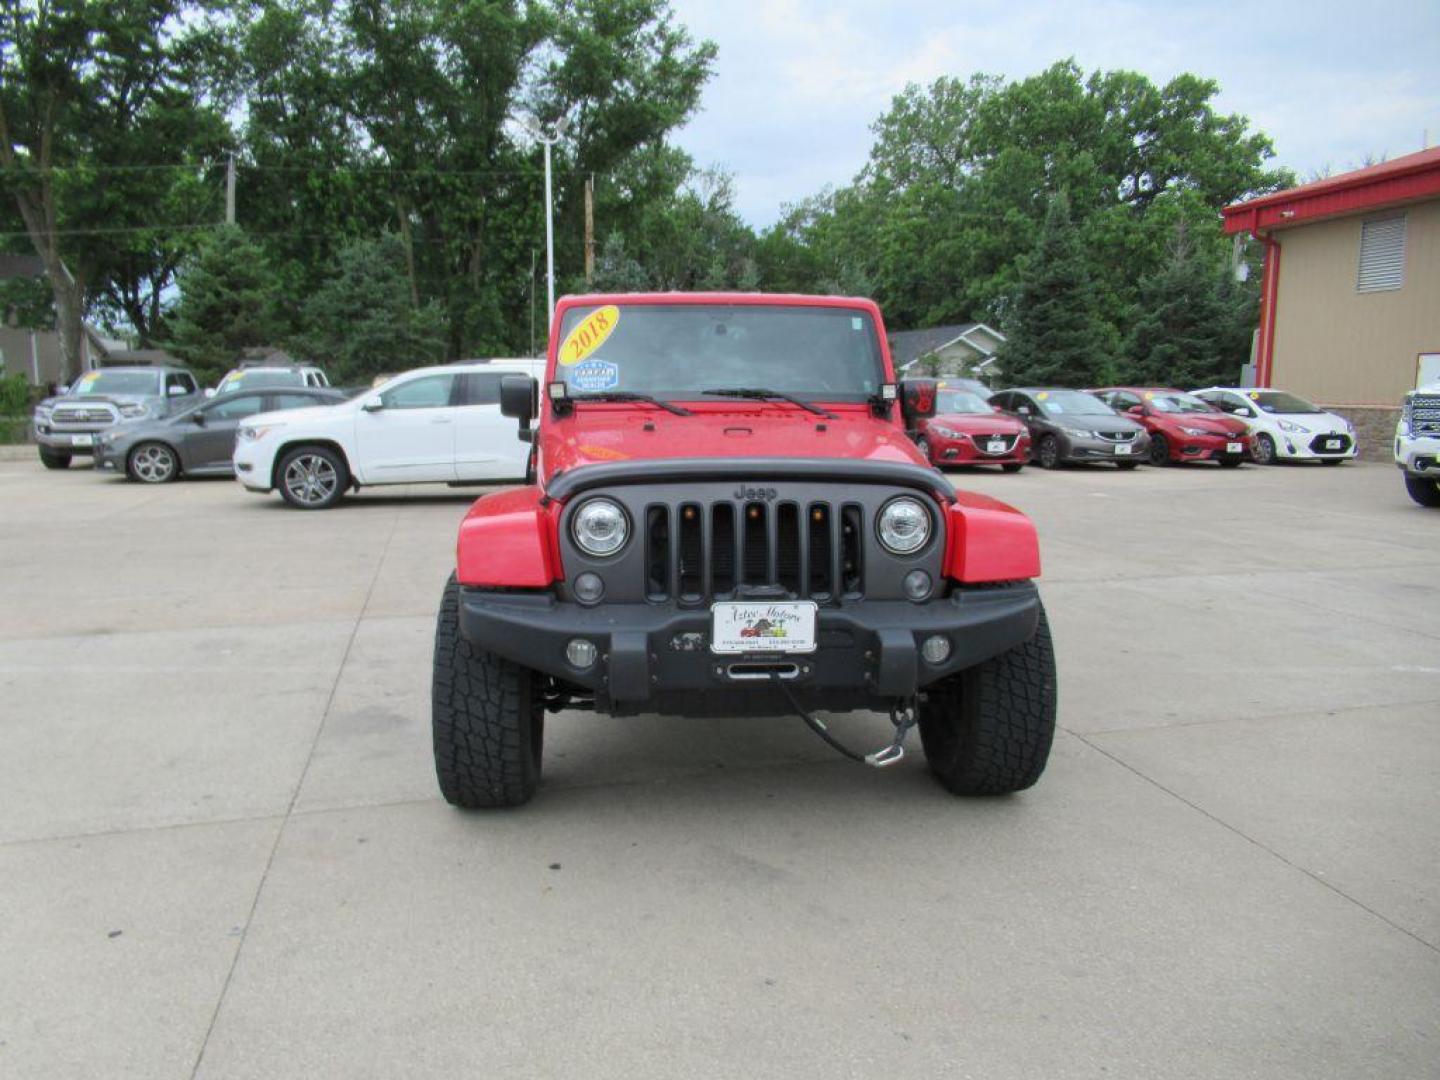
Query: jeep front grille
[699, 551]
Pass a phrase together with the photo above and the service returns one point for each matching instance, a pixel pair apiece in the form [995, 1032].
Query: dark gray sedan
[199, 441]
[1071, 425]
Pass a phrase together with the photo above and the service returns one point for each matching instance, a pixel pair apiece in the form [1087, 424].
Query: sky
[799, 82]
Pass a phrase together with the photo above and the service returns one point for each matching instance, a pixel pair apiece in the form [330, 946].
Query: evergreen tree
[362, 320]
[228, 303]
[1055, 336]
[1191, 325]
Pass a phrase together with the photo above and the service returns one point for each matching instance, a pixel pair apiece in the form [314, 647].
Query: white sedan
[433, 425]
[1285, 427]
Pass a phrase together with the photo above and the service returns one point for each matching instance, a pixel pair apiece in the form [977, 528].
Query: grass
[14, 430]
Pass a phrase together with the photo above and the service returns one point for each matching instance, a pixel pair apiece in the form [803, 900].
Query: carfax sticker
[595, 375]
[589, 335]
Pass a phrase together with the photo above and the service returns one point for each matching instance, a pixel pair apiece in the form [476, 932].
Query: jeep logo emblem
[755, 494]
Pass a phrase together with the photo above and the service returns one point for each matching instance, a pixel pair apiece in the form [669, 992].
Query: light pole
[556, 132]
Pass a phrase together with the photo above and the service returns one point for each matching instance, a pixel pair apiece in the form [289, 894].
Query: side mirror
[373, 404]
[1136, 410]
[176, 391]
[917, 400]
[520, 400]
[210, 391]
[1023, 410]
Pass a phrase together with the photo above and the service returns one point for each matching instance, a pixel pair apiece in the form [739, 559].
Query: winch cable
[904, 717]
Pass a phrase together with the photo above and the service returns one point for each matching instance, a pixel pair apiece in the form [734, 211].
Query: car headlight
[133, 410]
[1077, 433]
[600, 527]
[254, 432]
[1286, 425]
[1196, 431]
[904, 526]
[944, 432]
[42, 414]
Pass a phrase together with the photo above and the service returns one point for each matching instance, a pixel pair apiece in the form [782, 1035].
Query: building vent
[1382, 255]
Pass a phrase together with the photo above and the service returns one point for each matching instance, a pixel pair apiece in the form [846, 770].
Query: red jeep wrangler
[726, 517]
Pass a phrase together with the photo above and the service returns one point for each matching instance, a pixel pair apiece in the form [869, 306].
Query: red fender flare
[988, 540]
[509, 540]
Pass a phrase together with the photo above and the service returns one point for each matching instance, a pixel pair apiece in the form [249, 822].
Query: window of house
[1382, 254]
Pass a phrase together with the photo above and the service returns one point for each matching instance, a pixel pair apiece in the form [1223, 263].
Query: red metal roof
[1391, 183]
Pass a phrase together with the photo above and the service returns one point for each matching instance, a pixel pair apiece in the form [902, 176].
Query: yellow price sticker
[1042, 395]
[589, 335]
[1149, 395]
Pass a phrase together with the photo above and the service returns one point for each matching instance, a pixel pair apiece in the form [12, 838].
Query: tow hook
[904, 715]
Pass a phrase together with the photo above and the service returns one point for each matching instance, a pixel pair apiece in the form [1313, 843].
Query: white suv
[1285, 427]
[432, 425]
[1417, 444]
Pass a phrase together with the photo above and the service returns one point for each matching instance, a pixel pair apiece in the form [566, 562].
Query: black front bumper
[657, 658]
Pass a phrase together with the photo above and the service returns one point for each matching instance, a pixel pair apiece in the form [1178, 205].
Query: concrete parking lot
[222, 853]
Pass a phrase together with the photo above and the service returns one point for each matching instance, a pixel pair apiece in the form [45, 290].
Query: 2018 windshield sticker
[590, 375]
[585, 338]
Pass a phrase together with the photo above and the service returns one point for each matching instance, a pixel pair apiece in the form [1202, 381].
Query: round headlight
[904, 526]
[600, 527]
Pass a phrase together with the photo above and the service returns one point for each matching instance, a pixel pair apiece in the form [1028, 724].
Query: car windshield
[1277, 401]
[1177, 403]
[118, 382]
[1071, 403]
[960, 401]
[250, 378]
[679, 351]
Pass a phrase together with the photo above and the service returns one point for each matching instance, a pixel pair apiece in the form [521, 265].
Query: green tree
[362, 322]
[1056, 336]
[228, 302]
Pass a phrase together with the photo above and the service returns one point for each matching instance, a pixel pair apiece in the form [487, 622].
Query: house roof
[20, 266]
[907, 346]
[152, 357]
[1391, 183]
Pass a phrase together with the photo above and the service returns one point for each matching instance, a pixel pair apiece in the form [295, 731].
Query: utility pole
[532, 301]
[548, 140]
[230, 191]
[589, 229]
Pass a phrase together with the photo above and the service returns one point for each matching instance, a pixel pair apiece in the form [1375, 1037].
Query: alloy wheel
[311, 479]
[153, 464]
[1264, 452]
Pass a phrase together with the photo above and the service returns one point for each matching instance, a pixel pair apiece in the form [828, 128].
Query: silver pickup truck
[1417, 444]
[67, 424]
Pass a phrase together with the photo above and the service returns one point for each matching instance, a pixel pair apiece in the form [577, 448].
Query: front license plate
[1234, 448]
[995, 446]
[82, 440]
[740, 626]
[1122, 449]
[1333, 444]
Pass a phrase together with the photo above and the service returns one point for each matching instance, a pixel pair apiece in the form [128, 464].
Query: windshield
[960, 401]
[682, 350]
[118, 382]
[1072, 403]
[251, 378]
[1177, 403]
[1277, 401]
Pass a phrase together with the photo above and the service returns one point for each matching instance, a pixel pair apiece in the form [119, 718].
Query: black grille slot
[788, 553]
[756, 558]
[722, 548]
[692, 553]
[657, 551]
[819, 551]
[851, 544]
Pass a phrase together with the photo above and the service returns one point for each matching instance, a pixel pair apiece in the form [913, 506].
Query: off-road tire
[1047, 454]
[988, 730]
[1423, 490]
[1014, 466]
[488, 729]
[1159, 450]
[1264, 452]
[329, 469]
[53, 460]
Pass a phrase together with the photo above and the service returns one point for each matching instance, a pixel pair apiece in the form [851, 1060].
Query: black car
[199, 441]
[1071, 425]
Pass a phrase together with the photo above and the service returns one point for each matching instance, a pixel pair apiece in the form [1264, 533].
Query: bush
[14, 395]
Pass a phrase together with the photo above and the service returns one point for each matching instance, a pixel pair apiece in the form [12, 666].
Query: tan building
[1350, 301]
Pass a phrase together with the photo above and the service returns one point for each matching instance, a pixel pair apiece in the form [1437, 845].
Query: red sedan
[966, 430]
[1181, 426]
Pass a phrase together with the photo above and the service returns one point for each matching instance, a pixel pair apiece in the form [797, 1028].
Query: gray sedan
[197, 442]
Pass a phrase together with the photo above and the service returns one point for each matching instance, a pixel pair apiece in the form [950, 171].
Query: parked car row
[1127, 426]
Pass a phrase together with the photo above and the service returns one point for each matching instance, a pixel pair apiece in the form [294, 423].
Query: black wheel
[1127, 465]
[312, 477]
[488, 727]
[1424, 491]
[1159, 450]
[1264, 452]
[1014, 466]
[54, 459]
[988, 730]
[1048, 452]
[1332, 461]
[1230, 462]
[152, 463]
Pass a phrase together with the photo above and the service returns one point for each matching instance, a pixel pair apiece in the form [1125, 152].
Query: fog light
[582, 653]
[936, 649]
[589, 588]
[917, 584]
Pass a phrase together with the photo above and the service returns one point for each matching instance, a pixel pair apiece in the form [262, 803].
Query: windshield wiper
[759, 393]
[630, 395]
